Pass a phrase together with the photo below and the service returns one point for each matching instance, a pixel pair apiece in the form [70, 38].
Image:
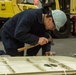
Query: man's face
[49, 25]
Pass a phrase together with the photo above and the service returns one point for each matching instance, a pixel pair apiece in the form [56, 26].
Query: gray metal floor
[65, 47]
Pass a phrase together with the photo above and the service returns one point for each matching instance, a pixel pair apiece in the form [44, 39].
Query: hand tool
[31, 46]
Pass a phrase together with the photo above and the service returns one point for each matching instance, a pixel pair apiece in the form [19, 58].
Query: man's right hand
[43, 40]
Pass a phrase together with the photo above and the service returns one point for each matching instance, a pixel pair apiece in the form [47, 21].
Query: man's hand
[48, 53]
[43, 41]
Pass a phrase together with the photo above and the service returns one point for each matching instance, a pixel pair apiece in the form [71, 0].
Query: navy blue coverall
[24, 27]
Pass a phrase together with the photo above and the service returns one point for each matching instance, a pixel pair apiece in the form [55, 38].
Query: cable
[65, 73]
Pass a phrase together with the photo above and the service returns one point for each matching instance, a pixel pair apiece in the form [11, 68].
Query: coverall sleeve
[46, 47]
[22, 31]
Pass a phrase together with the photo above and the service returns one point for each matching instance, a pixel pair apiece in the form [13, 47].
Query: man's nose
[53, 28]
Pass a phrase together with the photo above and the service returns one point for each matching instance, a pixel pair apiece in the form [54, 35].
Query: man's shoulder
[33, 11]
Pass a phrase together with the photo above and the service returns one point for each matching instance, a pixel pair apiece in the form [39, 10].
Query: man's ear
[50, 18]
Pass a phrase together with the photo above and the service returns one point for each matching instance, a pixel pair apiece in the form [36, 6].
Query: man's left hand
[48, 53]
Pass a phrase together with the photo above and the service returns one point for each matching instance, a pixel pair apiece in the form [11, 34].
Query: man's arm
[22, 31]
[46, 49]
